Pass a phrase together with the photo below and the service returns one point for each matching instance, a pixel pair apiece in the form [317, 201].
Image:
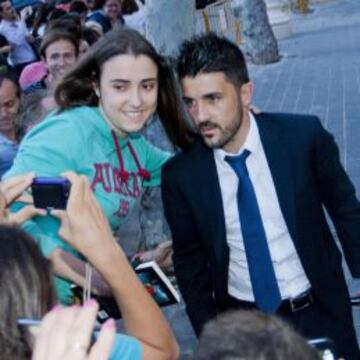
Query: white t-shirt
[15, 33]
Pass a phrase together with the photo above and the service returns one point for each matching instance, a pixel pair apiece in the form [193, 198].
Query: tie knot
[238, 163]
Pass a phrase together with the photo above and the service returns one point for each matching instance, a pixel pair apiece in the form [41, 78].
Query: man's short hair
[56, 34]
[252, 335]
[210, 53]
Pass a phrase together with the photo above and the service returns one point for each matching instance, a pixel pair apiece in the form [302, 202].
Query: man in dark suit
[245, 205]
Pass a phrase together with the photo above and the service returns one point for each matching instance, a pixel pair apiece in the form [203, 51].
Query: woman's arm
[86, 229]
[74, 270]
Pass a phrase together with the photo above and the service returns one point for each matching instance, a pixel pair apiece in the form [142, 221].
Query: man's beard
[227, 133]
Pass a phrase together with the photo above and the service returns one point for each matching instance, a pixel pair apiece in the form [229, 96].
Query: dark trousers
[315, 322]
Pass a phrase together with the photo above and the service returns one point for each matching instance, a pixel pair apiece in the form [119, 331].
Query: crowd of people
[244, 195]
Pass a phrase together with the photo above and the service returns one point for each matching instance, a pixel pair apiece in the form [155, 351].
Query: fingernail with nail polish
[56, 308]
[109, 324]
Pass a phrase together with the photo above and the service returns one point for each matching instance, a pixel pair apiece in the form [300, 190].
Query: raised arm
[86, 229]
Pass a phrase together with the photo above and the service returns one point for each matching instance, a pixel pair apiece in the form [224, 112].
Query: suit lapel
[209, 196]
[277, 149]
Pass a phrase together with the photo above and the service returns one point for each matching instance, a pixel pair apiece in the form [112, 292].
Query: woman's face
[112, 9]
[128, 91]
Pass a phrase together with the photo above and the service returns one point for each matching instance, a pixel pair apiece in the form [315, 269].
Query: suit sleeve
[190, 260]
[338, 195]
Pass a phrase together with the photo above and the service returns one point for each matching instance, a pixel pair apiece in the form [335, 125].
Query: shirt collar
[252, 141]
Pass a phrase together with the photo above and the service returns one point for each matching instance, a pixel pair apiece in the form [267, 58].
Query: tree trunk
[260, 44]
[169, 23]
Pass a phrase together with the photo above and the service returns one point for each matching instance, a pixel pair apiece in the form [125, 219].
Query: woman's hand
[65, 334]
[12, 190]
[83, 224]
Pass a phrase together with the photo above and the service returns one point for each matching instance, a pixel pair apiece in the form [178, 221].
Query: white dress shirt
[289, 272]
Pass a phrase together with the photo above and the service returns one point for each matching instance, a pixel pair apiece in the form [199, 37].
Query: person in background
[32, 73]
[9, 110]
[252, 335]
[89, 37]
[35, 107]
[4, 53]
[80, 8]
[134, 14]
[59, 50]
[40, 19]
[18, 37]
[107, 13]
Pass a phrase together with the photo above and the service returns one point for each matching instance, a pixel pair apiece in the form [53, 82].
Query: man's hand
[12, 190]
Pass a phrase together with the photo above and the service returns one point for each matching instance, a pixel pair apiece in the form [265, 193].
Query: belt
[292, 305]
[298, 303]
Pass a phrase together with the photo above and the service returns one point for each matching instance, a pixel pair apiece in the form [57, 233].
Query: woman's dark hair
[25, 287]
[77, 87]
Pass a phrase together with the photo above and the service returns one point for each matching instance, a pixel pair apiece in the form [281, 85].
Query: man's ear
[246, 93]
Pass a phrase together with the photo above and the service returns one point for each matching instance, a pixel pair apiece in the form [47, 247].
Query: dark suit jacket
[305, 166]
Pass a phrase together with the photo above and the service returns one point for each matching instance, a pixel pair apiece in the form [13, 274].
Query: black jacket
[307, 173]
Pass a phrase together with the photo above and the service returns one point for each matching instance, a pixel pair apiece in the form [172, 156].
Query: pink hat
[32, 73]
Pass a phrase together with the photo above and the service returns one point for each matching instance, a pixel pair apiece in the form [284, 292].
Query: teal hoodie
[80, 140]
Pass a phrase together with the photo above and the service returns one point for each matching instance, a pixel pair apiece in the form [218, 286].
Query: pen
[36, 322]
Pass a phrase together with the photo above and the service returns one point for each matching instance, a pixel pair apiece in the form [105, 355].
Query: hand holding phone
[11, 190]
[50, 192]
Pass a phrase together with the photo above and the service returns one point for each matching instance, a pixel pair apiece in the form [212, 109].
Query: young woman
[104, 101]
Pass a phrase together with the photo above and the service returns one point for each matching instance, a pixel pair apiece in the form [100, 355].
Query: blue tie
[262, 275]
